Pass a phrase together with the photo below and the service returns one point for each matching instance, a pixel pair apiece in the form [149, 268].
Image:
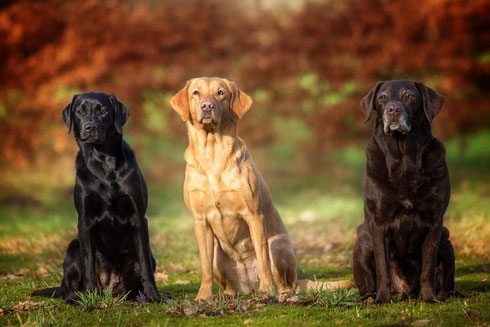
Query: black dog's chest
[109, 203]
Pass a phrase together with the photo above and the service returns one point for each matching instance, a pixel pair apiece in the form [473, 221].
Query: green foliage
[154, 104]
[330, 298]
[96, 299]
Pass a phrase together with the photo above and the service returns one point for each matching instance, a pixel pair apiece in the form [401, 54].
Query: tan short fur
[242, 239]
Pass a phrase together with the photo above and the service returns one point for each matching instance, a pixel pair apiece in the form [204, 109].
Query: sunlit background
[306, 65]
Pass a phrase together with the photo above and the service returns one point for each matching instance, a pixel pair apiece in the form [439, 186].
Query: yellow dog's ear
[239, 102]
[180, 102]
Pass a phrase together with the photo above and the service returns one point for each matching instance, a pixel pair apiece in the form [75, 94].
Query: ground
[321, 211]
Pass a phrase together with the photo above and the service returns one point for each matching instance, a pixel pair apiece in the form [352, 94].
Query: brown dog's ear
[368, 103]
[239, 102]
[180, 102]
[67, 113]
[432, 100]
[121, 113]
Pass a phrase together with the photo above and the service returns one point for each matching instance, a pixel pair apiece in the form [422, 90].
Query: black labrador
[112, 250]
[402, 246]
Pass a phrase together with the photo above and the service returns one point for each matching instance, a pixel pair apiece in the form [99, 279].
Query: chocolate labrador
[402, 246]
[242, 240]
[112, 249]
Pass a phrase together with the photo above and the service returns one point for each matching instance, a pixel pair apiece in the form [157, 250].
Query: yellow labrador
[242, 239]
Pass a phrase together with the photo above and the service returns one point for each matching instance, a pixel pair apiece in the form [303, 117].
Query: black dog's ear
[67, 113]
[368, 103]
[121, 113]
[432, 100]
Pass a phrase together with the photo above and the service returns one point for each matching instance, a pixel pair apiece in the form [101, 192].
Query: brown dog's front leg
[205, 241]
[259, 240]
[381, 259]
[429, 257]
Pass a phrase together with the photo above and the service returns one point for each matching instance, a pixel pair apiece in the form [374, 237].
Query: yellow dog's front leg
[205, 241]
[258, 234]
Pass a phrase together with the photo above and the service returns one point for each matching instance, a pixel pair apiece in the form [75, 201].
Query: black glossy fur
[402, 246]
[112, 249]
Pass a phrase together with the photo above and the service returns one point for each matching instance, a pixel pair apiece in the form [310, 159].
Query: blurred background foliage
[306, 64]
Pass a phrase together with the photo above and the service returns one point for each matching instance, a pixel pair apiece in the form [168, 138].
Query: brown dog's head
[400, 104]
[209, 102]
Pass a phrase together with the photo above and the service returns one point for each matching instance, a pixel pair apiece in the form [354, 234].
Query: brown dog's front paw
[383, 297]
[428, 296]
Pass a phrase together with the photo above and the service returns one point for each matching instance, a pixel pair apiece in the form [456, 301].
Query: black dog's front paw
[383, 297]
[153, 297]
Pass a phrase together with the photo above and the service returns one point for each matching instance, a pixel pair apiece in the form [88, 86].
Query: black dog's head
[401, 104]
[95, 117]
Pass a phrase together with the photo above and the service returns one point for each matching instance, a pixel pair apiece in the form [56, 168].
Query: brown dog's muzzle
[395, 119]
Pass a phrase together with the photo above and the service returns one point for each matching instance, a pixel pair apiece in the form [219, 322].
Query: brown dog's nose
[392, 109]
[207, 106]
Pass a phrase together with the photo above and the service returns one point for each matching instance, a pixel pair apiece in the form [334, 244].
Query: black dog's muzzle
[88, 132]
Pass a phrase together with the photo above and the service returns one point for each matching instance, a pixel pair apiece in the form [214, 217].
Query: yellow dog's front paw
[204, 295]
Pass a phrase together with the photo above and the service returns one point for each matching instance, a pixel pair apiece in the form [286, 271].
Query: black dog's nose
[207, 106]
[89, 127]
[393, 109]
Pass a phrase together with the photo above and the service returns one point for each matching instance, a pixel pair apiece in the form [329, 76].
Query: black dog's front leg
[430, 248]
[381, 244]
[144, 257]
[87, 245]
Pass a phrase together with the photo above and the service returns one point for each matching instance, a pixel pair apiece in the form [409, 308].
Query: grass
[320, 210]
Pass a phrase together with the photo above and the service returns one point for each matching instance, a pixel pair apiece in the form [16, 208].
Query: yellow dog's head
[210, 102]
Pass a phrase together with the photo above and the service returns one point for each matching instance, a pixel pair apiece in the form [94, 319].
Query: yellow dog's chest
[223, 209]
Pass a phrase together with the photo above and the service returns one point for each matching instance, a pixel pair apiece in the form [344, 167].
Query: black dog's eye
[409, 96]
[80, 112]
[220, 92]
[103, 111]
[196, 92]
[382, 97]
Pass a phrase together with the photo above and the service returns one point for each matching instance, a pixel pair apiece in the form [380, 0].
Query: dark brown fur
[402, 246]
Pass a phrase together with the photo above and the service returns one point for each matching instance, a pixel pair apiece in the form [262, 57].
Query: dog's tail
[304, 285]
[55, 292]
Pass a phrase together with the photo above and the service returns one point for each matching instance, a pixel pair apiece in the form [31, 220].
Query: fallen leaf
[246, 322]
[421, 322]
[161, 277]
[190, 312]
[182, 282]
[42, 272]
[368, 301]
[9, 277]
[23, 306]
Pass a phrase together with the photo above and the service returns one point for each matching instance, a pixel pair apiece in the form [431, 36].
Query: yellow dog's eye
[196, 92]
[220, 92]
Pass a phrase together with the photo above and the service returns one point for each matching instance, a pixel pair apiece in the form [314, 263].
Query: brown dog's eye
[196, 92]
[80, 111]
[409, 96]
[220, 92]
[382, 97]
